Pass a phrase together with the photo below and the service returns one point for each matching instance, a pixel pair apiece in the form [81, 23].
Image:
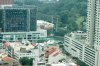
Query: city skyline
[20, 37]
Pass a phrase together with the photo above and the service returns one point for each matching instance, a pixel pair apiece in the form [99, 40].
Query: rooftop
[64, 64]
[79, 36]
[51, 51]
[20, 47]
[8, 59]
[59, 64]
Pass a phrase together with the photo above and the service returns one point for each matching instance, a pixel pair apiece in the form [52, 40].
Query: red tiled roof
[2, 2]
[34, 44]
[7, 59]
[55, 53]
[1, 52]
[51, 50]
[6, 44]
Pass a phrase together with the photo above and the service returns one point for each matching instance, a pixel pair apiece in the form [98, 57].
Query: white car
[50, 42]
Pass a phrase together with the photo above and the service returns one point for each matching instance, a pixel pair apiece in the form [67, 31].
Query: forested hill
[71, 13]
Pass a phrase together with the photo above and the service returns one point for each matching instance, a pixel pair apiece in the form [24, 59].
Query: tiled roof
[55, 53]
[7, 59]
[6, 44]
[52, 51]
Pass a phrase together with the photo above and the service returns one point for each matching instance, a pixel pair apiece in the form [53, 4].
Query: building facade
[49, 1]
[32, 36]
[80, 50]
[93, 21]
[23, 2]
[18, 19]
[97, 25]
[6, 2]
[19, 50]
[1, 37]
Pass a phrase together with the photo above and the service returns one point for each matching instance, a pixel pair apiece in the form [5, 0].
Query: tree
[80, 63]
[67, 10]
[72, 13]
[26, 61]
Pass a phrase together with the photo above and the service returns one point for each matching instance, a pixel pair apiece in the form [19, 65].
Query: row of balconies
[89, 56]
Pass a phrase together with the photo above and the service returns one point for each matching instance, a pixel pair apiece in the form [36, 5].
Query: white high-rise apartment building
[93, 23]
[97, 24]
[90, 22]
[88, 54]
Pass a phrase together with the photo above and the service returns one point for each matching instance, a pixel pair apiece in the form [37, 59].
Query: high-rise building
[18, 18]
[78, 48]
[97, 24]
[6, 2]
[93, 23]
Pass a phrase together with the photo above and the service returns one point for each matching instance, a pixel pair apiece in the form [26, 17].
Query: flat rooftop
[18, 46]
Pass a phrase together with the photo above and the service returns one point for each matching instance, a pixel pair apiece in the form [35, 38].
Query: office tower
[19, 18]
[6, 2]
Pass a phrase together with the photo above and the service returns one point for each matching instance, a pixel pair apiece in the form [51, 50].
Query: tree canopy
[26, 61]
[72, 13]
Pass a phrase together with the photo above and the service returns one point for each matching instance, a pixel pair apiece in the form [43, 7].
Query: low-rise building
[19, 50]
[64, 64]
[33, 36]
[7, 61]
[54, 55]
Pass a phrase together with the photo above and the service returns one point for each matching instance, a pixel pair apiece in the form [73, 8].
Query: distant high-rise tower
[90, 22]
[97, 24]
[93, 23]
[6, 2]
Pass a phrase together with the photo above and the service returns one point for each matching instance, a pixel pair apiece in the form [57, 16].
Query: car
[60, 42]
[50, 42]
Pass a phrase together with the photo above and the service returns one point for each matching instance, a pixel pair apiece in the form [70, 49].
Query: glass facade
[1, 19]
[18, 19]
[15, 20]
[33, 20]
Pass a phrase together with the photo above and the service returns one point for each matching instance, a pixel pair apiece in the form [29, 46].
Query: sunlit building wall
[80, 50]
[93, 23]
